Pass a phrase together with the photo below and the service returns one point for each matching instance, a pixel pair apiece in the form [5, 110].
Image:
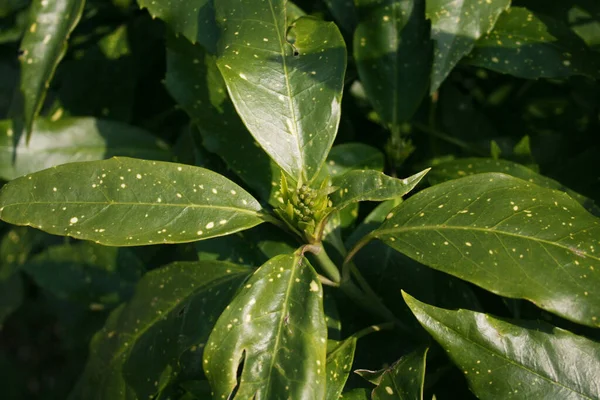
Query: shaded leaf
[345, 14]
[508, 236]
[351, 156]
[294, 115]
[339, 365]
[530, 46]
[274, 321]
[456, 25]
[128, 202]
[356, 394]
[174, 308]
[405, 379]
[74, 139]
[393, 56]
[11, 296]
[194, 19]
[195, 82]
[94, 276]
[370, 185]
[520, 360]
[43, 46]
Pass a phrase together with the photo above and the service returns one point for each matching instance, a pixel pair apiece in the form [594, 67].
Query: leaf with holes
[393, 55]
[508, 236]
[456, 26]
[405, 379]
[285, 80]
[276, 320]
[71, 140]
[129, 202]
[135, 354]
[361, 185]
[514, 359]
[43, 46]
[530, 46]
[339, 365]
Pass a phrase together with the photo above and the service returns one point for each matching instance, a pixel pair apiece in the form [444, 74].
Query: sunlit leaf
[517, 360]
[71, 140]
[274, 321]
[43, 46]
[286, 84]
[508, 236]
[128, 202]
[174, 308]
[339, 365]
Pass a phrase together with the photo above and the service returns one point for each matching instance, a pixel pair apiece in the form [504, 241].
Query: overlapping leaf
[286, 84]
[518, 360]
[405, 379]
[393, 56]
[174, 308]
[530, 46]
[351, 156]
[43, 46]
[274, 321]
[71, 140]
[456, 25]
[508, 236]
[339, 365]
[129, 202]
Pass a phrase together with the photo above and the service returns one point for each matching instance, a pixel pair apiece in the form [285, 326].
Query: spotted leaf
[530, 46]
[43, 46]
[504, 359]
[129, 202]
[174, 308]
[405, 379]
[393, 55]
[285, 80]
[71, 140]
[508, 236]
[456, 26]
[339, 365]
[276, 320]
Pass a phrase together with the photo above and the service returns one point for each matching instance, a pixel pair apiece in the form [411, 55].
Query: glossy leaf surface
[364, 185]
[508, 236]
[351, 156]
[405, 379]
[194, 19]
[274, 321]
[128, 202]
[529, 46]
[136, 351]
[518, 360]
[393, 56]
[42, 47]
[339, 365]
[286, 84]
[456, 25]
[71, 140]
[208, 105]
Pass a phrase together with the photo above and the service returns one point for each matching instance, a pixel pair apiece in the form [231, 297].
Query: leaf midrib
[378, 233]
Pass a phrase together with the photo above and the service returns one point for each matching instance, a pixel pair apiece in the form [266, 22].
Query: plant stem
[324, 261]
[373, 328]
[444, 136]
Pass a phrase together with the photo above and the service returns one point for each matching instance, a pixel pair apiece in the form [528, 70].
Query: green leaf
[74, 139]
[43, 46]
[517, 360]
[356, 394]
[94, 276]
[405, 379]
[456, 26]
[293, 115]
[129, 202]
[195, 82]
[194, 19]
[345, 14]
[275, 328]
[508, 236]
[339, 365]
[370, 185]
[352, 156]
[530, 46]
[393, 56]
[459, 168]
[11, 296]
[173, 309]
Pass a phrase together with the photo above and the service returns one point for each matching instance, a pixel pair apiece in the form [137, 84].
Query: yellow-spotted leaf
[404, 380]
[285, 79]
[504, 359]
[340, 357]
[271, 341]
[508, 236]
[129, 202]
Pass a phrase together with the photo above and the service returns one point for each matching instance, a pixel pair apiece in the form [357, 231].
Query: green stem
[324, 261]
